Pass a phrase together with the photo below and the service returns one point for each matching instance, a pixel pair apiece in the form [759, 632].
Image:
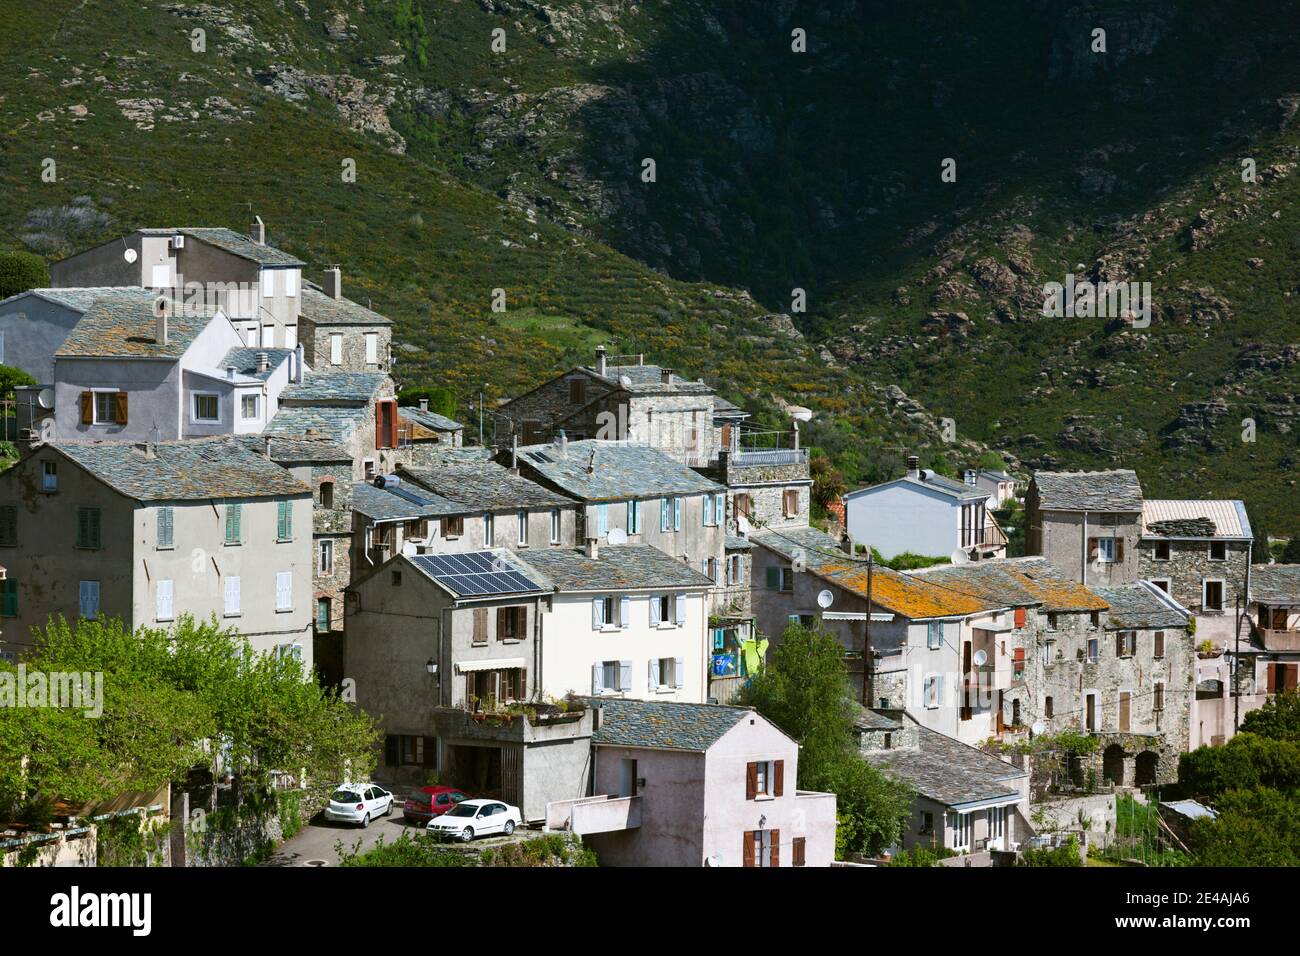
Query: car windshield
[344, 796]
[462, 811]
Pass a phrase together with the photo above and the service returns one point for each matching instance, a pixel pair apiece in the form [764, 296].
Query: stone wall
[1188, 567]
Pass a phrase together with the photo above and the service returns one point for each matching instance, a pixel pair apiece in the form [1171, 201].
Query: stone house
[689, 785]
[149, 531]
[1199, 551]
[339, 335]
[356, 410]
[427, 434]
[1087, 523]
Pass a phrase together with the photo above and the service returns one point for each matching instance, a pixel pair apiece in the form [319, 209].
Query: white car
[358, 803]
[472, 818]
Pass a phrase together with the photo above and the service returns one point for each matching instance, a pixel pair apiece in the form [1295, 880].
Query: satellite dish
[45, 398]
[1038, 728]
[981, 657]
[129, 255]
[617, 536]
[799, 413]
[959, 557]
[624, 381]
[825, 599]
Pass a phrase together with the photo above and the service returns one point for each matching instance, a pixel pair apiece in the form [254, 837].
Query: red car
[431, 802]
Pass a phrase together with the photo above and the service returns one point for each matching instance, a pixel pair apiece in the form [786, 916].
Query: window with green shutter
[234, 514]
[284, 521]
[774, 579]
[8, 598]
[88, 528]
[8, 526]
[165, 532]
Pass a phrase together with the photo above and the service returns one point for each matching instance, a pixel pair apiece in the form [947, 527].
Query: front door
[627, 778]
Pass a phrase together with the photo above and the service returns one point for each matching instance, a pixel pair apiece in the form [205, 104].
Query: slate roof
[79, 299]
[194, 469]
[381, 504]
[483, 485]
[958, 490]
[648, 380]
[318, 307]
[1180, 517]
[430, 420]
[236, 243]
[948, 771]
[123, 326]
[337, 423]
[738, 544]
[1116, 490]
[663, 725]
[993, 474]
[1275, 583]
[615, 568]
[868, 719]
[245, 362]
[1136, 606]
[1017, 582]
[298, 450]
[817, 547]
[335, 387]
[619, 470]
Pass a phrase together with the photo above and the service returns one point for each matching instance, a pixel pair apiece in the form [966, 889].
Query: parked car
[431, 802]
[359, 803]
[473, 818]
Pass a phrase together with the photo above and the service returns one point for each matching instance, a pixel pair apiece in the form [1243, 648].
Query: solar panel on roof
[408, 495]
[475, 573]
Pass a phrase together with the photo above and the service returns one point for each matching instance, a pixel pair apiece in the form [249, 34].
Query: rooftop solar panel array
[475, 573]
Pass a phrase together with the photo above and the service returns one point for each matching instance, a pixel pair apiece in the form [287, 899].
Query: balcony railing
[770, 456]
[1280, 639]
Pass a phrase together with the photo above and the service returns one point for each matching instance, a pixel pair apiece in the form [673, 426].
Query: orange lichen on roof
[1055, 590]
[909, 596]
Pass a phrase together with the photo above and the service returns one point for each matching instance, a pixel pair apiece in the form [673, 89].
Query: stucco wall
[33, 329]
[898, 518]
[1061, 537]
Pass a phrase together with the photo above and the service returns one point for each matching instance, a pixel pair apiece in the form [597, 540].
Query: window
[744, 505]
[104, 407]
[372, 348]
[997, 823]
[88, 592]
[933, 689]
[453, 527]
[602, 519]
[291, 283]
[522, 518]
[661, 610]
[1105, 550]
[409, 750]
[512, 623]
[1213, 596]
[611, 677]
[1018, 617]
[396, 578]
[1125, 643]
[291, 336]
[489, 530]
[1015, 713]
[336, 349]
[268, 336]
[1161, 583]
[250, 335]
[386, 430]
[555, 526]
[961, 830]
[1158, 696]
[1049, 651]
[780, 579]
[665, 514]
[1053, 621]
[163, 601]
[327, 494]
[677, 514]
[230, 603]
[927, 822]
[248, 407]
[1095, 618]
[268, 283]
[369, 467]
[325, 563]
[480, 634]
[934, 635]
[88, 528]
[1161, 551]
[8, 526]
[166, 533]
[762, 848]
[291, 651]
[708, 511]
[284, 591]
[49, 476]
[323, 614]
[666, 673]
[764, 778]
[207, 407]
[1093, 648]
[711, 569]
[9, 597]
[577, 391]
[634, 517]
[1047, 707]
[602, 612]
[284, 521]
[799, 851]
[790, 502]
[735, 570]
[1218, 551]
[1159, 649]
[234, 520]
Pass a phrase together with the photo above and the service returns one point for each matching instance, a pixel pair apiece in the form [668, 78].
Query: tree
[441, 400]
[20, 271]
[1245, 762]
[804, 690]
[1291, 553]
[1278, 719]
[1255, 827]
[11, 377]
[828, 482]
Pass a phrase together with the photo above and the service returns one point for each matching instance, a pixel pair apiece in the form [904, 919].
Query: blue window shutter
[597, 678]
[654, 610]
[679, 672]
[680, 604]
[652, 677]
[677, 514]
[720, 507]
[597, 612]
[602, 519]
[663, 514]
[708, 509]
[625, 612]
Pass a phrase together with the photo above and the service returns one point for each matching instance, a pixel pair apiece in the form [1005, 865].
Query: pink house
[696, 785]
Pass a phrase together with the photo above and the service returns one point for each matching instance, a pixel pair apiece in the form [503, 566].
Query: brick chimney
[257, 231]
[333, 282]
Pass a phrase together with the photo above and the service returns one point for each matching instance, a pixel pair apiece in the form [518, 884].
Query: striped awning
[492, 664]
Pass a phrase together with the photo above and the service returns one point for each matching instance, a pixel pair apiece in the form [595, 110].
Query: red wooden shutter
[779, 774]
[87, 408]
[1292, 672]
[751, 781]
[381, 433]
[1092, 547]
[776, 848]
[1119, 643]
[120, 402]
[1272, 678]
[799, 851]
[392, 424]
[748, 852]
[1020, 617]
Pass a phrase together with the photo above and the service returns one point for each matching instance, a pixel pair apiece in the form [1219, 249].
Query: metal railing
[770, 456]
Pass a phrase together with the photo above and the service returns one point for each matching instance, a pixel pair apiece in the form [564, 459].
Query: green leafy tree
[1256, 827]
[10, 378]
[20, 271]
[441, 400]
[1245, 762]
[828, 482]
[804, 691]
[1278, 719]
[1291, 553]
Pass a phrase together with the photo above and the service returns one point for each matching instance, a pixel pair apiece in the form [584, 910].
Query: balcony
[770, 456]
[1279, 639]
[602, 814]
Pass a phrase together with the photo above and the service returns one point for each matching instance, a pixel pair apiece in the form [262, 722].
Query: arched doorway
[1112, 765]
[1147, 769]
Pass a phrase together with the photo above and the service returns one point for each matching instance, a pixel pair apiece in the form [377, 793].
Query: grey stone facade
[1187, 569]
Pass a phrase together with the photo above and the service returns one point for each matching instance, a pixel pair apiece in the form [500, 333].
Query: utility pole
[1236, 661]
[866, 637]
[480, 417]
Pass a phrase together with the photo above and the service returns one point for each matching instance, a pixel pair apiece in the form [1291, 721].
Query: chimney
[333, 282]
[160, 325]
[592, 550]
[257, 231]
[600, 360]
[424, 404]
[514, 454]
[266, 447]
[913, 466]
[299, 357]
[562, 443]
[666, 375]
[263, 361]
[230, 372]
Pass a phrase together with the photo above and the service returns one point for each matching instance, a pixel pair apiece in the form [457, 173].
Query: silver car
[473, 818]
[358, 803]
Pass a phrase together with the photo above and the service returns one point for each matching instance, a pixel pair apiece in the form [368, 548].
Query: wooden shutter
[625, 613]
[655, 618]
[120, 407]
[87, 408]
[597, 678]
[773, 579]
[390, 750]
[679, 672]
[430, 755]
[778, 776]
[625, 676]
[679, 605]
[597, 612]
[776, 848]
[480, 625]
[1119, 549]
[9, 526]
[1123, 711]
[751, 781]
[1160, 644]
[1092, 547]
[1272, 678]
[1119, 643]
[748, 852]
[799, 851]
[1020, 617]
[1292, 673]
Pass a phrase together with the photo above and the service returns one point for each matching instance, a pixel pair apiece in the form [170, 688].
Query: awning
[494, 664]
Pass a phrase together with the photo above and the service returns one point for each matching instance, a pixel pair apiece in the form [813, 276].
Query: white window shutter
[679, 603]
[597, 678]
[625, 612]
[654, 610]
[283, 590]
[625, 676]
[232, 595]
[597, 612]
[652, 680]
[679, 672]
[663, 514]
[164, 600]
[708, 509]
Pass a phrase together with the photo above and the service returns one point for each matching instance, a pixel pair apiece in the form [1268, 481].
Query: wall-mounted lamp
[431, 666]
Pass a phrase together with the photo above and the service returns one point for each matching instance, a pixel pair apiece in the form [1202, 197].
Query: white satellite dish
[129, 255]
[1038, 728]
[825, 599]
[959, 557]
[799, 413]
[45, 398]
[617, 536]
[624, 381]
[981, 657]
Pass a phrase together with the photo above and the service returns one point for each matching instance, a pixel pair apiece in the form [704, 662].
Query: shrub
[20, 271]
